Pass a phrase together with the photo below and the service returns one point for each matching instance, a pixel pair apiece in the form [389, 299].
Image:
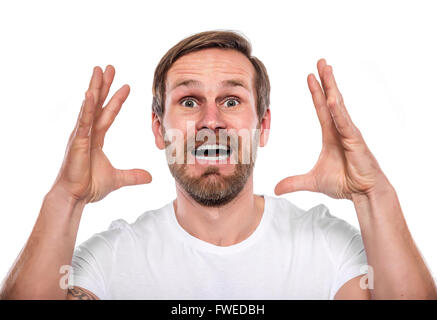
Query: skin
[86, 175]
[346, 169]
[235, 221]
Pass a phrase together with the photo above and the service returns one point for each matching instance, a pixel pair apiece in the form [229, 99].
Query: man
[217, 239]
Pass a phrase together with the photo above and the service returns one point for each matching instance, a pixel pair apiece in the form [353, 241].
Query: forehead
[212, 64]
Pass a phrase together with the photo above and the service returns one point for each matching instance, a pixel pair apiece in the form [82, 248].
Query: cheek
[179, 118]
[246, 117]
[173, 121]
[244, 120]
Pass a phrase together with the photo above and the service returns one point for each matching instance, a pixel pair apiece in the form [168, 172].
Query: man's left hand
[345, 165]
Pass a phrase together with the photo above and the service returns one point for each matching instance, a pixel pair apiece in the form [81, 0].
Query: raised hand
[345, 165]
[86, 173]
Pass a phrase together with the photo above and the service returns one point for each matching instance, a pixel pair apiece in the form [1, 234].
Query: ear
[265, 128]
[157, 129]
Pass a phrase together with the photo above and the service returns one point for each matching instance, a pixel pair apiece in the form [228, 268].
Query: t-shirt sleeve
[92, 262]
[352, 264]
[345, 246]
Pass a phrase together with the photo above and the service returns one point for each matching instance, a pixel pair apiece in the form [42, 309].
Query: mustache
[229, 141]
[238, 146]
[208, 137]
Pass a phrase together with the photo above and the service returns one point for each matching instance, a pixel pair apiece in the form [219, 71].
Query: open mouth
[212, 152]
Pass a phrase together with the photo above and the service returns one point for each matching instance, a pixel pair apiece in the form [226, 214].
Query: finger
[108, 114]
[303, 182]
[341, 117]
[320, 67]
[132, 177]
[323, 113]
[73, 133]
[329, 84]
[86, 117]
[96, 83]
[111, 110]
[108, 77]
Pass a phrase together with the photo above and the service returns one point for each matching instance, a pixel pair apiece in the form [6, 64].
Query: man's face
[210, 125]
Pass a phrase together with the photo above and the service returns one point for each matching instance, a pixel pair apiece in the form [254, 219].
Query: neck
[223, 226]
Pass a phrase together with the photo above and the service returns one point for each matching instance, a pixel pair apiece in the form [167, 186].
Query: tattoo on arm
[76, 293]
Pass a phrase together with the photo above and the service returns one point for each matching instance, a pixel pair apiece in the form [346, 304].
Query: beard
[211, 188]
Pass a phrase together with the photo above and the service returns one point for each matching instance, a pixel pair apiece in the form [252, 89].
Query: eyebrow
[224, 83]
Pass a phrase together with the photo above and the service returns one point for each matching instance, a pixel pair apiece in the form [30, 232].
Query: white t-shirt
[292, 254]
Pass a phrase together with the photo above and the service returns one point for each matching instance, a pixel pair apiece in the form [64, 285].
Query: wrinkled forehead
[211, 68]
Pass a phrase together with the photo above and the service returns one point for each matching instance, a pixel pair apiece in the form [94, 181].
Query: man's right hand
[86, 175]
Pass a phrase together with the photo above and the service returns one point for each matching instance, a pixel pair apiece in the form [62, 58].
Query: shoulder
[284, 211]
[122, 232]
[317, 217]
[315, 224]
[337, 233]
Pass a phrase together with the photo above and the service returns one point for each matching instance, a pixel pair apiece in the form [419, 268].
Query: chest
[183, 273]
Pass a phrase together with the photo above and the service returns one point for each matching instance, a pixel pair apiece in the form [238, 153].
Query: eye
[189, 103]
[232, 102]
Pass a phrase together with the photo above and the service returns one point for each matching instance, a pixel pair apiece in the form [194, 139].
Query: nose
[211, 118]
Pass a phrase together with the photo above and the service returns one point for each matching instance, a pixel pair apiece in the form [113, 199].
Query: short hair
[205, 40]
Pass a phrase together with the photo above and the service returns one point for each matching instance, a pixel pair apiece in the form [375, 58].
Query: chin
[213, 170]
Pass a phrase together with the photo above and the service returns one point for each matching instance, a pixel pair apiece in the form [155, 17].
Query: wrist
[380, 203]
[59, 196]
[382, 189]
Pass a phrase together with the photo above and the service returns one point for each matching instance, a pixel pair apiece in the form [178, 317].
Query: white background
[383, 55]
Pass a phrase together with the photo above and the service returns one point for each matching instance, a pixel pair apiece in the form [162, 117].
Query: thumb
[303, 182]
[133, 177]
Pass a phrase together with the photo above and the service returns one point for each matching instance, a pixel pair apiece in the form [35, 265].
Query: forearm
[36, 272]
[398, 268]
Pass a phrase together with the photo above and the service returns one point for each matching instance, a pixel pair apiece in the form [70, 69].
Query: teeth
[223, 157]
[211, 149]
[212, 146]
